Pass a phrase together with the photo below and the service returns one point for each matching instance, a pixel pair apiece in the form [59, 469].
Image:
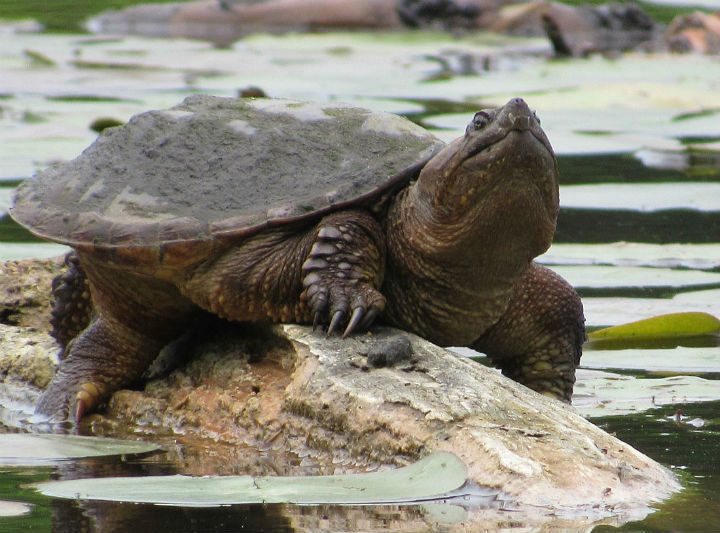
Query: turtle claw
[80, 410]
[356, 318]
[335, 322]
[370, 317]
[87, 398]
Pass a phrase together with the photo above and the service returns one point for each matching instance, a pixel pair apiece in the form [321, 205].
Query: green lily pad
[426, 479]
[663, 326]
[25, 448]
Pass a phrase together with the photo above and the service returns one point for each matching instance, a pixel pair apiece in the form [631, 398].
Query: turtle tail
[72, 308]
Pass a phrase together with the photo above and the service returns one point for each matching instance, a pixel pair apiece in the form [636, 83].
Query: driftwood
[286, 400]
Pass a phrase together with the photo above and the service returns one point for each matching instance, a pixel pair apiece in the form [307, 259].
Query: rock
[284, 400]
[696, 33]
[608, 28]
[25, 292]
[224, 23]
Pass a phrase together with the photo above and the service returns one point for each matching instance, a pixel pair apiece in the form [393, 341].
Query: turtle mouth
[518, 163]
[516, 148]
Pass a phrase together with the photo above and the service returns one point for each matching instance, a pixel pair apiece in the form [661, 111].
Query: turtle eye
[537, 119]
[479, 121]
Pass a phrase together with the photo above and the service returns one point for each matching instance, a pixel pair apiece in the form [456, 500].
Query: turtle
[270, 210]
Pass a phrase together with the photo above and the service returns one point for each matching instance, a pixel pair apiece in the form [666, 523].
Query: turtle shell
[171, 187]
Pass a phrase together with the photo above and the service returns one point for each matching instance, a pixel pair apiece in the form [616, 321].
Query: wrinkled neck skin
[460, 238]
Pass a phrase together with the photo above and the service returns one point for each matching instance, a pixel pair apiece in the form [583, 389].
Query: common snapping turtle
[271, 210]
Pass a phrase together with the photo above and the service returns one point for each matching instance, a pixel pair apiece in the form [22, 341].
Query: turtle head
[499, 181]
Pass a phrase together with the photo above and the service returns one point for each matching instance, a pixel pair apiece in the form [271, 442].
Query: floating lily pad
[643, 196]
[426, 479]
[10, 508]
[27, 250]
[680, 359]
[692, 256]
[663, 326]
[25, 448]
[600, 393]
[6, 196]
[616, 276]
[610, 311]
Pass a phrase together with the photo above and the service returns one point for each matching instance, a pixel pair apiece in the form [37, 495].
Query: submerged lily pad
[426, 479]
[24, 448]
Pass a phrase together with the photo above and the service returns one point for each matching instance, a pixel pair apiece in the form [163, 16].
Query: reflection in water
[71, 516]
[667, 435]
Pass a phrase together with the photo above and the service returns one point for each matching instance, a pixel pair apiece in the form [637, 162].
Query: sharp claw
[80, 409]
[355, 319]
[369, 318]
[316, 320]
[335, 322]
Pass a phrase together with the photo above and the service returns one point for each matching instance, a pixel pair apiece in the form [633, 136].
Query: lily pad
[643, 196]
[26, 250]
[600, 393]
[662, 326]
[10, 508]
[6, 196]
[426, 479]
[24, 448]
[679, 360]
[610, 311]
[692, 256]
[604, 277]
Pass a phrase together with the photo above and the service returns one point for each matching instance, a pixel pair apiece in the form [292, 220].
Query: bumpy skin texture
[450, 259]
[72, 307]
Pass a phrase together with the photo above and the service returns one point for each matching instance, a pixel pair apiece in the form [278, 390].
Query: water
[624, 130]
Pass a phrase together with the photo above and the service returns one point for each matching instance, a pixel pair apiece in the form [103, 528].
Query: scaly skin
[328, 273]
[451, 260]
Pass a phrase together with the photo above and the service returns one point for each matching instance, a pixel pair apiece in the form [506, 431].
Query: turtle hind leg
[103, 358]
[538, 341]
[135, 317]
[72, 308]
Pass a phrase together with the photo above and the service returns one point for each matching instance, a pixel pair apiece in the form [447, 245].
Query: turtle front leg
[538, 341]
[342, 271]
[327, 273]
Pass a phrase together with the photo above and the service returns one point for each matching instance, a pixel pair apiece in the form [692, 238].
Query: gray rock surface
[285, 400]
